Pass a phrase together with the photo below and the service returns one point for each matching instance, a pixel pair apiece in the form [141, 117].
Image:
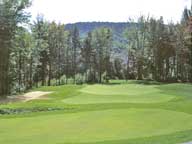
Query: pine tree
[11, 14]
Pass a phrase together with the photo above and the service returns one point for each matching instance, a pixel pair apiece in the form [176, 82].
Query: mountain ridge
[118, 28]
[85, 27]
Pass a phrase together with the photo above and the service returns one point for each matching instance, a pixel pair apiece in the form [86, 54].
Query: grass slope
[123, 113]
[119, 94]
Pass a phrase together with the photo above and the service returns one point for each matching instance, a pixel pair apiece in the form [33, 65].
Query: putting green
[93, 126]
[119, 94]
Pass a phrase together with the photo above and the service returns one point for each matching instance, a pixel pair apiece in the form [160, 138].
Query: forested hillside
[118, 29]
[85, 27]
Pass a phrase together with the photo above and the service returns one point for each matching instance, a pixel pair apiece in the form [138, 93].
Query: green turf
[119, 94]
[120, 113]
[93, 126]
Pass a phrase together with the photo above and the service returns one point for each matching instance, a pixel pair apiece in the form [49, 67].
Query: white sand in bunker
[34, 95]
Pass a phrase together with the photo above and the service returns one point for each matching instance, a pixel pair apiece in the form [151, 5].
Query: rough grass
[142, 121]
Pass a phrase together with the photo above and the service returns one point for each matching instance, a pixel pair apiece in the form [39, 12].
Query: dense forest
[50, 53]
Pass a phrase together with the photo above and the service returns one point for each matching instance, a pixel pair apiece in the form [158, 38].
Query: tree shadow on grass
[113, 83]
[144, 82]
[177, 89]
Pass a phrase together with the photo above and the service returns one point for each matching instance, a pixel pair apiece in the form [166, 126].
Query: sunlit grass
[118, 113]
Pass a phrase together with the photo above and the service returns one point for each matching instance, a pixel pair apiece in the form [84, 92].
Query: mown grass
[132, 93]
[104, 114]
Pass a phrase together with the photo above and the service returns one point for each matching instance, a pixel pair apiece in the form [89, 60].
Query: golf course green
[119, 94]
[117, 113]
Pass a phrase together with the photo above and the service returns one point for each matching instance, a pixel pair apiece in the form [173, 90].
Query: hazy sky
[70, 11]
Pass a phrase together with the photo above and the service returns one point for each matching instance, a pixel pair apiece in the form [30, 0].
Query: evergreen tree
[11, 14]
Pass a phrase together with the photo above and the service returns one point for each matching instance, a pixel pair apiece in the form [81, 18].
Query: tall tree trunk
[139, 70]
[20, 67]
[31, 73]
[190, 71]
[167, 69]
[74, 66]
[4, 66]
[50, 74]
[127, 72]
[59, 65]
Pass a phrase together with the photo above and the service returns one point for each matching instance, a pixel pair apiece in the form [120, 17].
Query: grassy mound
[132, 93]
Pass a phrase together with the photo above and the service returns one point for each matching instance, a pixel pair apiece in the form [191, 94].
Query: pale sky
[70, 11]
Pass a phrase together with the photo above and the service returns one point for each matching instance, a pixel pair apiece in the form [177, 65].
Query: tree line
[47, 54]
[159, 51]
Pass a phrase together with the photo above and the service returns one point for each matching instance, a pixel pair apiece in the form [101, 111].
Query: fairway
[93, 126]
[125, 113]
[119, 94]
